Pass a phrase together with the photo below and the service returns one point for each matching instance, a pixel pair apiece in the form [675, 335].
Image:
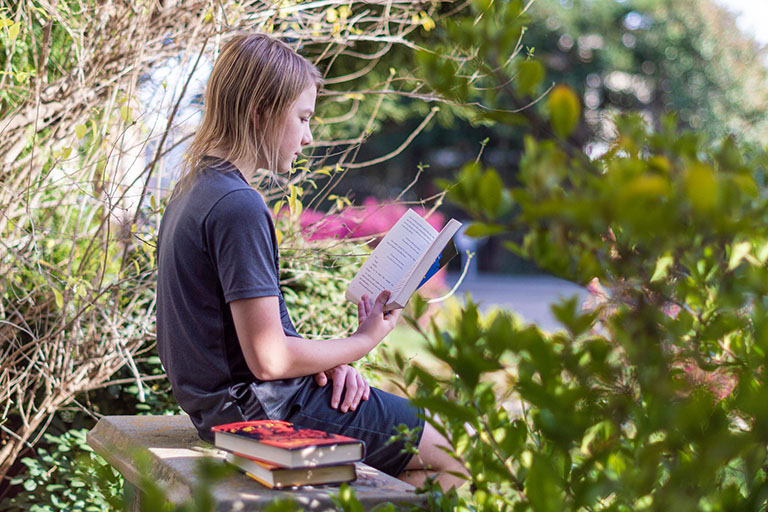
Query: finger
[321, 379]
[381, 301]
[368, 305]
[350, 391]
[361, 310]
[358, 392]
[338, 387]
[367, 391]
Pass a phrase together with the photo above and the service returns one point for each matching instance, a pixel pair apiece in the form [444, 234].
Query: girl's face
[297, 133]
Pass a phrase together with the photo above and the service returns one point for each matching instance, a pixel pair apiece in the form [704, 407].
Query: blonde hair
[254, 82]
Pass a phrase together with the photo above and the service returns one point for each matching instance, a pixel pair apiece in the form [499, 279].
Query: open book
[410, 254]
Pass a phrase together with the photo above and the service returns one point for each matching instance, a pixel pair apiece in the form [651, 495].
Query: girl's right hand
[373, 321]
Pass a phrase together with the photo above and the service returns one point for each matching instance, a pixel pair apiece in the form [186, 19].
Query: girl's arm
[272, 355]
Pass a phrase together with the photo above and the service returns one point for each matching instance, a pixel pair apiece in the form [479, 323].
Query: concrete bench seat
[174, 447]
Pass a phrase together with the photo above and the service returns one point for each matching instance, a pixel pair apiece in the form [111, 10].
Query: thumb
[321, 379]
[381, 301]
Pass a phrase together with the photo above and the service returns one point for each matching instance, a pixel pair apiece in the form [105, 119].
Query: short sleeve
[241, 241]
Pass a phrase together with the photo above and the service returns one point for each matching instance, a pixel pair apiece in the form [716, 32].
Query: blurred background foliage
[649, 56]
[650, 400]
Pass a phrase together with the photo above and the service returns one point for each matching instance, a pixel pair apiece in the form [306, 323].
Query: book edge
[452, 227]
[285, 457]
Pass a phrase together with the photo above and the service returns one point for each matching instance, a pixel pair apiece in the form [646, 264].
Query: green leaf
[567, 313]
[564, 109]
[447, 407]
[80, 130]
[701, 188]
[480, 229]
[529, 75]
[542, 486]
[739, 252]
[13, 31]
[490, 191]
[58, 297]
[418, 305]
[125, 113]
[662, 267]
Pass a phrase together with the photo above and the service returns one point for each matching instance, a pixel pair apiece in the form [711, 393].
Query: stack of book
[280, 454]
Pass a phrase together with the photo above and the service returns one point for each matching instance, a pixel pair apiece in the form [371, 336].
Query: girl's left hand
[345, 377]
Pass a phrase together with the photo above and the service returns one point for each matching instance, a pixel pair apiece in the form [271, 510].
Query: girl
[224, 335]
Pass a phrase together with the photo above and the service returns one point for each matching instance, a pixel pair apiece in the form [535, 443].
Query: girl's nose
[307, 139]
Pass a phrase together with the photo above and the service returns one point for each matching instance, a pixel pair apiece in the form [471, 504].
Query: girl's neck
[246, 167]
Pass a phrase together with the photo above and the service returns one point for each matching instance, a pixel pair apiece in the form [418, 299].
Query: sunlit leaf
[81, 130]
[13, 31]
[564, 109]
[739, 252]
[125, 113]
[663, 265]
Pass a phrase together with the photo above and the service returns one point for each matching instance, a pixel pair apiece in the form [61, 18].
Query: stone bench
[174, 447]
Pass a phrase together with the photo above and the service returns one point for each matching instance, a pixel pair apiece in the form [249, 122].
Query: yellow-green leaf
[564, 110]
[13, 31]
[662, 267]
[701, 187]
[617, 463]
[125, 113]
[762, 253]
[294, 204]
[279, 236]
[427, 23]
[81, 130]
[59, 298]
[647, 185]
[739, 252]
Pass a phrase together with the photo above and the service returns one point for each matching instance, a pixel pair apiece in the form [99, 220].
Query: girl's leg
[432, 461]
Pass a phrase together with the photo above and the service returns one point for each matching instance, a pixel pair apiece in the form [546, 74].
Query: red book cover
[282, 434]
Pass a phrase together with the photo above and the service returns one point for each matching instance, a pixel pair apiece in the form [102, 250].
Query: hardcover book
[406, 258]
[286, 444]
[274, 476]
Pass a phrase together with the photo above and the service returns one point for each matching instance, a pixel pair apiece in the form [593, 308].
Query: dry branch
[76, 259]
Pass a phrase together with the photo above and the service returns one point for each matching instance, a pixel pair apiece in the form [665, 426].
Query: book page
[393, 258]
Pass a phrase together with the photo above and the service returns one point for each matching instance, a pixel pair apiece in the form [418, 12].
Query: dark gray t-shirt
[217, 244]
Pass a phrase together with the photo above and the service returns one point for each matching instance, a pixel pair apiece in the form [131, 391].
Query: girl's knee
[432, 452]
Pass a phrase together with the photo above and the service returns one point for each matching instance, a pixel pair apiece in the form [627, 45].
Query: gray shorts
[374, 421]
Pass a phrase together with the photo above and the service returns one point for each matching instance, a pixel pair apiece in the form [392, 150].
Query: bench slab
[174, 446]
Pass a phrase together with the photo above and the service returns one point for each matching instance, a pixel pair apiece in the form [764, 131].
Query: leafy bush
[654, 400]
[67, 475]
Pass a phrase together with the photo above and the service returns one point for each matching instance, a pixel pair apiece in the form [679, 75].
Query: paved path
[528, 296]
